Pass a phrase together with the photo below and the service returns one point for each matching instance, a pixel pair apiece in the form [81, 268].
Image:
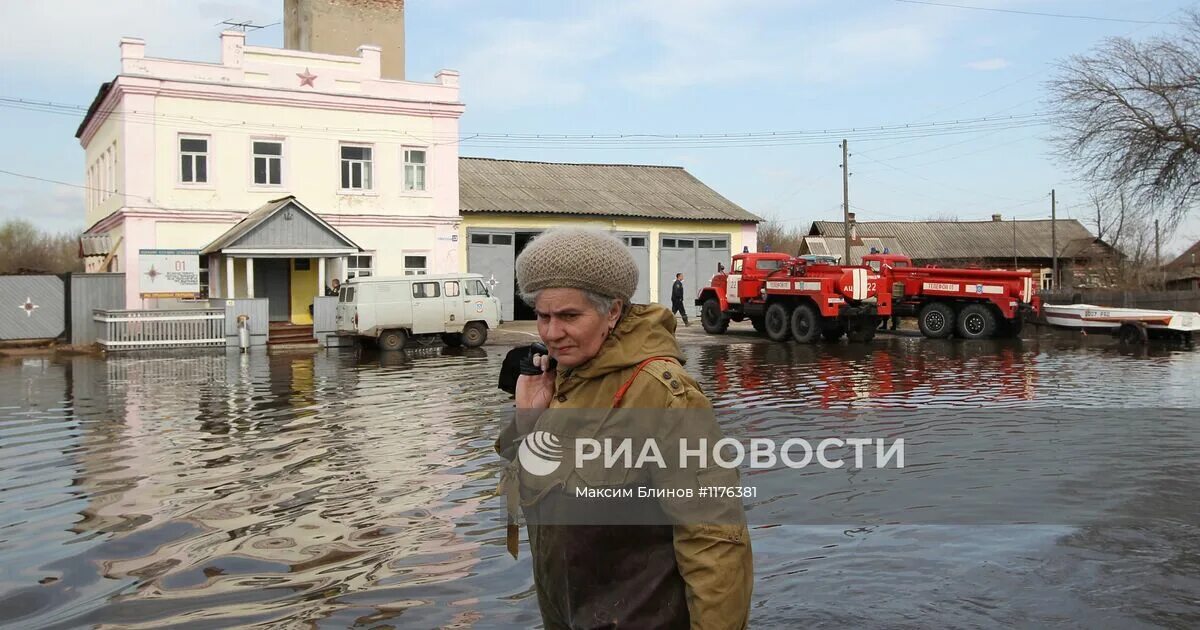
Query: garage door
[695, 256]
[710, 250]
[493, 255]
[639, 246]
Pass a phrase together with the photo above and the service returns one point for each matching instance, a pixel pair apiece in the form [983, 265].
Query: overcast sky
[653, 66]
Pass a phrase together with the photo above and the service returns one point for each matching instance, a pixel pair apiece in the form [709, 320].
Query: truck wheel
[832, 331]
[1010, 328]
[936, 320]
[392, 339]
[1132, 334]
[776, 322]
[861, 329]
[976, 321]
[758, 323]
[805, 325]
[452, 340]
[711, 317]
[474, 334]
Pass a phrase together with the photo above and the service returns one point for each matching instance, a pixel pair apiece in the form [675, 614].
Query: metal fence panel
[91, 291]
[325, 322]
[31, 307]
[134, 330]
[257, 309]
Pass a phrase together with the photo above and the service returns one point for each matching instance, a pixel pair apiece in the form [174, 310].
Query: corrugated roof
[837, 246]
[925, 240]
[94, 245]
[628, 190]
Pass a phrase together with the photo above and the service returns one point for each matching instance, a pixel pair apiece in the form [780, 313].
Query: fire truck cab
[801, 298]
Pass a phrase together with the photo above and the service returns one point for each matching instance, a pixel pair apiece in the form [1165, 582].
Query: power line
[80, 186]
[942, 184]
[1037, 13]
[593, 140]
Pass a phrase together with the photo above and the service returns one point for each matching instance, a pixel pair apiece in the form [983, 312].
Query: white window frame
[424, 166]
[208, 160]
[111, 188]
[369, 180]
[353, 271]
[415, 271]
[282, 157]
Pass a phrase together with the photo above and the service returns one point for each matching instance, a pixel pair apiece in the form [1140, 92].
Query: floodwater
[337, 489]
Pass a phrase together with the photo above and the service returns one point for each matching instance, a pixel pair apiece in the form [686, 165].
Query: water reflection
[897, 373]
[347, 488]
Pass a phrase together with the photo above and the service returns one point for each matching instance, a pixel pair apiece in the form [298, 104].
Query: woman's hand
[534, 393]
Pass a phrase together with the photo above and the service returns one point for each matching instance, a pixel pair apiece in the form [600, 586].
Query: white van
[393, 309]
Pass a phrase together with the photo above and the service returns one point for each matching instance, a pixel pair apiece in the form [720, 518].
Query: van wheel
[474, 334]
[453, 340]
[392, 339]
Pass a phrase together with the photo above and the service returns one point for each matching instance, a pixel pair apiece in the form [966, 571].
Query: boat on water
[1131, 324]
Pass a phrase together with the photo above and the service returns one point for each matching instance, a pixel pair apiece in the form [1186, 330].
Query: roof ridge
[489, 159]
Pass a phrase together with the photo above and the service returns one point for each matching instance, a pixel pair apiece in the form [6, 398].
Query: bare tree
[1130, 117]
[1129, 229]
[780, 236]
[25, 249]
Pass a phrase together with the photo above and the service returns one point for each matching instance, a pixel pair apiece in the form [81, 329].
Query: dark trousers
[677, 307]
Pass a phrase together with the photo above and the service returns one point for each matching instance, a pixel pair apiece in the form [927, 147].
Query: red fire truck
[801, 298]
[971, 303]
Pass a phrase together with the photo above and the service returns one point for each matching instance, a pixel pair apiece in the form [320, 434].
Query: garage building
[669, 219]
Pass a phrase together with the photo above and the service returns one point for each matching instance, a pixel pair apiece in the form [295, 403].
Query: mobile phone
[519, 361]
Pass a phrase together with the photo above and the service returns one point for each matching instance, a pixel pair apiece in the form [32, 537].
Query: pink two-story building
[284, 169]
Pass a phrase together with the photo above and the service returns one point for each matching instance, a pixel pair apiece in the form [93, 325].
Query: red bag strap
[638, 370]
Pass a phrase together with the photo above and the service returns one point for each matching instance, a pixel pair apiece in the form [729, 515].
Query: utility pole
[846, 200]
[1157, 255]
[1053, 242]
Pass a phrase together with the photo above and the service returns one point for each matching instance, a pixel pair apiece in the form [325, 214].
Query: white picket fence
[135, 330]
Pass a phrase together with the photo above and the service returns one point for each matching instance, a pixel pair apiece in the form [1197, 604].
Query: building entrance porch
[283, 252]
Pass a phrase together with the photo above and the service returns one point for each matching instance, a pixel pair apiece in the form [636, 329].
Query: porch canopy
[282, 229]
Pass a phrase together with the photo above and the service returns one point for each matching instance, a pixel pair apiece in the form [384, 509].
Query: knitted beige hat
[577, 258]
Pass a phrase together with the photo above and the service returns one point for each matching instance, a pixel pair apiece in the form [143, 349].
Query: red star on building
[306, 78]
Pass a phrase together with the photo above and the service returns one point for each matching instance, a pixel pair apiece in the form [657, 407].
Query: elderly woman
[611, 354]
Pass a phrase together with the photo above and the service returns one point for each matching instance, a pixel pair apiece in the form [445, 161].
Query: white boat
[1092, 317]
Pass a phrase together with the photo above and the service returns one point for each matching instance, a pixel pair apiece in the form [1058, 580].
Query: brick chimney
[853, 229]
[997, 217]
[340, 27]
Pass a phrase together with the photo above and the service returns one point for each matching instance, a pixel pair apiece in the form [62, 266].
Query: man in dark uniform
[677, 298]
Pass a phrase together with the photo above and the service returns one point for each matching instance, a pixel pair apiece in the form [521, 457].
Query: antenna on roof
[244, 26]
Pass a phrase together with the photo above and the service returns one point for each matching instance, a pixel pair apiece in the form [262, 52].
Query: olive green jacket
[603, 576]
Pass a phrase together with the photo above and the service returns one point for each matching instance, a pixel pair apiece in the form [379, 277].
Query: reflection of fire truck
[889, 374]
[802, 298]
[971, 303]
